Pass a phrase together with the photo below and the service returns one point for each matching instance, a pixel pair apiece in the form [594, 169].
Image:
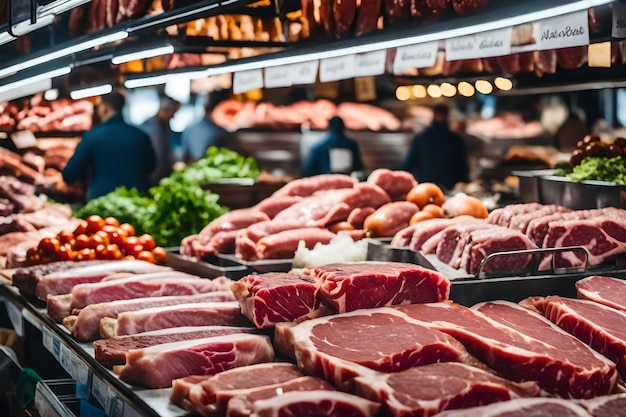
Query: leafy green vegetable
[218, 163]
[126, 205]
[600, 169]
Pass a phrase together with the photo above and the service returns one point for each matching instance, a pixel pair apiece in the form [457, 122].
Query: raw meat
[521, 221]
[521, 346]
[349, 287]
[195, 314]
[571, 58]
[416, 235]
[246, 240]
[607, 406]
[367, 17]
[360, 116]
[315, 403]
[157, 366]
[112, 351]
[275, 204]
[306, 187]
[86, 324]
[466, 6]
[603, 328]
[604, 290]
[502, 216]
[339, 348]
[395, 183]
[545, 62]
[430, 389]
[454, 239]
[267, 299]
[344, 13]
[26, 279]
[522, 407]
[283, 245]
[357, 216]
[397, 10]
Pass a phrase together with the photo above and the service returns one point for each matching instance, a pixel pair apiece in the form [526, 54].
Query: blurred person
[438, 154]
[336, 154]
[111, 154]
[158, 129]
[200, 136]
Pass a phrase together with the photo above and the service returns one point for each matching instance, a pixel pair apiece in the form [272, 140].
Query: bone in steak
[315, 403]
[86, 323]
[339, 348]
[430, 389]
[604, 290]
[267, 299]
[112, 351]
[522, 407]
[157, 366]
[306, 187]
[349, 287]
[603, 328]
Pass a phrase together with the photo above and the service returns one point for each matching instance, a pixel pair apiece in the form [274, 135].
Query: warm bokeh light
[466, 89]
[403, 93]
[419, 91]
[484, 87]
[448, 90]
[503, 84]
[434, 91]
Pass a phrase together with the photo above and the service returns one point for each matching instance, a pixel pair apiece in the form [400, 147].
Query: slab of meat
[316, 403]
[430, 389]
[344, 13]
[602, 236]
[521, 221]
[571, 58]
[131, 9]
[545, 62]
[397, 10]
[395, 183]
[522, 407]
[283, 245]
[416, 235]
[466, 6]
[538, 228]
[521, 346]
[204, 395]
[606, 406]
[267, 299]
[157, 366]
[454, 239]
[349, 287]
[502, 216]
[275, 204]
[367, 16]
[306, 187]
[86, 324]
[357, 216]
[334, 205]
[112, 351]
[603, 328]
[604, 290]
[339, 348]
[247, 239]
[192, 314]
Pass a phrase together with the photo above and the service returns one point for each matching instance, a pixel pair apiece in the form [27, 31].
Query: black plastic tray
[211, 267]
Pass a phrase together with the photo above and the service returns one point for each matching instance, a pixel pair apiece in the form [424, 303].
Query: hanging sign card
[423, 55]
[480, 45]
[370, 64]
[244, 81]
[619, 19]
[564, 31]
[303, 73]
[277, 77]
[335, 69]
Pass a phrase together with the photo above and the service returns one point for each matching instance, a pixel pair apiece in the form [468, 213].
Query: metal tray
[211, 267]
[262, 266]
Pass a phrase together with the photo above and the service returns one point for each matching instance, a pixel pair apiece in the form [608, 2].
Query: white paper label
[335, 69]
[480, 45]
[564, 31]
[423, 55]
[46, 339]
[277, 77]
[244, 81]
[100, 391]
[16, 317]
[619, 19]
[74, 366]
[370, 64]
[304, 72]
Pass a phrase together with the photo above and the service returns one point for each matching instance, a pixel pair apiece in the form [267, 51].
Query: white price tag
[32, 319]
[100, 391]
[16, 317]
[74, 366]
[43, 406]
[304, 72]
[619, 19]
[370, 64]
[423, 55]
[480, 45]
[46, 339]
[244, 81]
[339, 68]
[564, 31]
[116, 406]
[276, 77]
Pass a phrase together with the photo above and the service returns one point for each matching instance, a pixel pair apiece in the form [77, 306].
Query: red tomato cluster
[97, 238]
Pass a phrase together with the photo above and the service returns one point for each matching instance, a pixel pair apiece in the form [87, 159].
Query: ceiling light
[503, 84]
[82, 46]
[403, 93]
[419, 91]
[434, 91]
[162, 79]
[448, 90]
[466, 89]
[51, 94]
[484, 87]
[42, 76]
[98, 90]
[148, 53]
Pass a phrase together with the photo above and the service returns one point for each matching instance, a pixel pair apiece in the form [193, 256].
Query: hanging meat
[344, 12]
[429, 9]
[397, 10]
[545, 62]
[368, 13]
[465, 6]
[572, 58]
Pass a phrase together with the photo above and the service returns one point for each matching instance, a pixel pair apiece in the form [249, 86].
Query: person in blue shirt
[111, 154]
[336, 154]
[438, 154]
[198, 137]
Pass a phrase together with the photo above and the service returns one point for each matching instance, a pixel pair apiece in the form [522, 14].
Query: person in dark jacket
[437, 154]
[336, 154]
[158, 129]
[112, 154]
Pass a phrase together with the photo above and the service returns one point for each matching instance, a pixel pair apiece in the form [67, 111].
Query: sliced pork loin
[395, 183]
[86, 324]
[157, 366]
[430, 389]
[267, 299]
[112, 351]
[453, 240]
[201, 395]
[341, 347]
[315, 403]
[502, 216]
[349, 287]
[601, 327]
[305, 187]
[535, 407]
[608, 291]
[192, 314]
[414, 236]
[520, 222]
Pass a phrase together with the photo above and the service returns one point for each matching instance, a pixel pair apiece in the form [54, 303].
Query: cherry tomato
[65, 237]
[109, 228]
[159, 254]
[130, 242]
[104, 236]
[135, 250]
[101, 252]
[32, 253]
[145, 255]
[129, 258]
[48, 245]
[118, 237]
[112, 221]
[114, 252]
[85, 254]
[65, 253]
[147, 241]
[94, 223]
[81, 242]
[96, 240]
[81, 229]
[128, 228]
